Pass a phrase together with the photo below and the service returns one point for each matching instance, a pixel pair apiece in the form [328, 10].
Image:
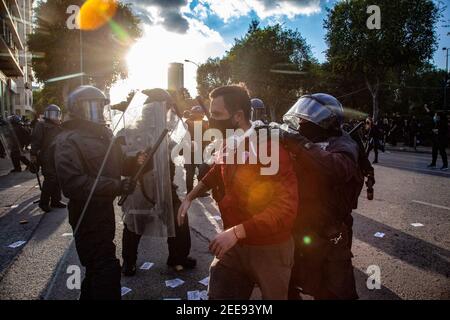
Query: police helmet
[88, 103]
[52, 112]
[321, 109]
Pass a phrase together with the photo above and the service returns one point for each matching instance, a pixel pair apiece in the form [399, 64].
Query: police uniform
[44, 133]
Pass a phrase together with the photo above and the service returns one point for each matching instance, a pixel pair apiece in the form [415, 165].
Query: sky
[175, 30]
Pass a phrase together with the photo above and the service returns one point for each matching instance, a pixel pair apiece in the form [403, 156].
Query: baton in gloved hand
[151, 152]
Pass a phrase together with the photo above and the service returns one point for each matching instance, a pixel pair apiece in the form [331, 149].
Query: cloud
[229, 9]
[168, 13]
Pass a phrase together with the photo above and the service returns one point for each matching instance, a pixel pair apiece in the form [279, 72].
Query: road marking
[209, 216]
[431, 205]
[439, 172]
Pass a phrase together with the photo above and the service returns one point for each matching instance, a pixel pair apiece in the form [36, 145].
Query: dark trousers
[95, 246]
[322, 270]
[374, 147]
[439, 147]
[17, 157]
[179, 246]
[51, 192]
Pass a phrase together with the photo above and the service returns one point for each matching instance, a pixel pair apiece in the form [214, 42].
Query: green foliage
[56, 48]
[406, 40]
[252, 60]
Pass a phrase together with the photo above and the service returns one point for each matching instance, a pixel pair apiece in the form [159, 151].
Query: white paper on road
[205, 281]
[193, 295]
[124, 291]
[417, 224]
[379, 235]
[14, 206]
[16, 244]
[174, 283]
[18, 186]
[67, 234]
[204, 295]
[147, 265]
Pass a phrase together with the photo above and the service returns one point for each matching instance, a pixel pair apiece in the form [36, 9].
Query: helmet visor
[52, 115]
[309, 109]
[93, 110]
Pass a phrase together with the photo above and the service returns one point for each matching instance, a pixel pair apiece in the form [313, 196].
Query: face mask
[222, 125]
[313, 132]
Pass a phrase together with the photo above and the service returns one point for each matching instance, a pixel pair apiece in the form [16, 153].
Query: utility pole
[447, 80]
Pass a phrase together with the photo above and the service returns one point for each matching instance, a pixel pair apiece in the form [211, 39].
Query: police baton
[151, 152]
[356, 128]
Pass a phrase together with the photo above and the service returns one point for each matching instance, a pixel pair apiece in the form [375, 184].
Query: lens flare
[307, 240]
[95, 13]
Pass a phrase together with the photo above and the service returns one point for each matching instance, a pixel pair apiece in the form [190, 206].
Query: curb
[409, 151]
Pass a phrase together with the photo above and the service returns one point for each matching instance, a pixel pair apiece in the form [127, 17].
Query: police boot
[128, 269]
[188, 263]
[59, 205]
[45, 207]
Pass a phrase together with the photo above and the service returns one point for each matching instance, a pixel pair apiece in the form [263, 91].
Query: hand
[291, 139]
[183, 210]
[223, 242]
[127, 186]
[141, 158]
[33, 159]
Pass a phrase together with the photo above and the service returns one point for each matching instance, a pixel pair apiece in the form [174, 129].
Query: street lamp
[446, 77]
[189, 61]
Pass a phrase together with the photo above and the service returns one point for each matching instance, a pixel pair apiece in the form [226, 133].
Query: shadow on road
[12, 179]
[403, 246]
[366, 294]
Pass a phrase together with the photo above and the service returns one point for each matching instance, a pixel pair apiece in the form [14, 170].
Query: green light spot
[307, 240]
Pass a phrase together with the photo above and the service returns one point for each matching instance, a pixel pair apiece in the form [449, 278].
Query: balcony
[9, 54]
[6, 11]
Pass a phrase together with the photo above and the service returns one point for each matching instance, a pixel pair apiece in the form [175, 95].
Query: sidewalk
[402, 148]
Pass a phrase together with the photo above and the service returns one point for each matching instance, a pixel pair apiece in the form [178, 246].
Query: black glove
[127, 186]
[292, 140]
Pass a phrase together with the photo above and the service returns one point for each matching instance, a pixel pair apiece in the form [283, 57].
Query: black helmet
[88, 103]
[52, 112]
[258, 109]
[321, 109]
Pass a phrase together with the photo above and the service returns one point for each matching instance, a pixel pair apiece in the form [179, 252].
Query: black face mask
[222, 125]
[313, 132]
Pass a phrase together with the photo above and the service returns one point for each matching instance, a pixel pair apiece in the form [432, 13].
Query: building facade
[16, 95]
[175, 76]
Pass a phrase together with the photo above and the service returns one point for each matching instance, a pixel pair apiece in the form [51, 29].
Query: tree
[405, 41]
[215, 72]
[271, 61]
[57, 48]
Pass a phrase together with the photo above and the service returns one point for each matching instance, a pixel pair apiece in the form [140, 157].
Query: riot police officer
[44, 133]
[80, 151]
[179, 244]
[258, 110]
[19, 137]
[330, 181]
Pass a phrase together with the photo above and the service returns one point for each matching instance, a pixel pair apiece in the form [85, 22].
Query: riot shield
[149, 210]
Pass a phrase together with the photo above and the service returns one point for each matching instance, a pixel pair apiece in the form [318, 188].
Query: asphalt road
[414, 261]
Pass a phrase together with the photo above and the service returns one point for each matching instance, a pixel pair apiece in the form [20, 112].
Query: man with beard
[258, 211]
